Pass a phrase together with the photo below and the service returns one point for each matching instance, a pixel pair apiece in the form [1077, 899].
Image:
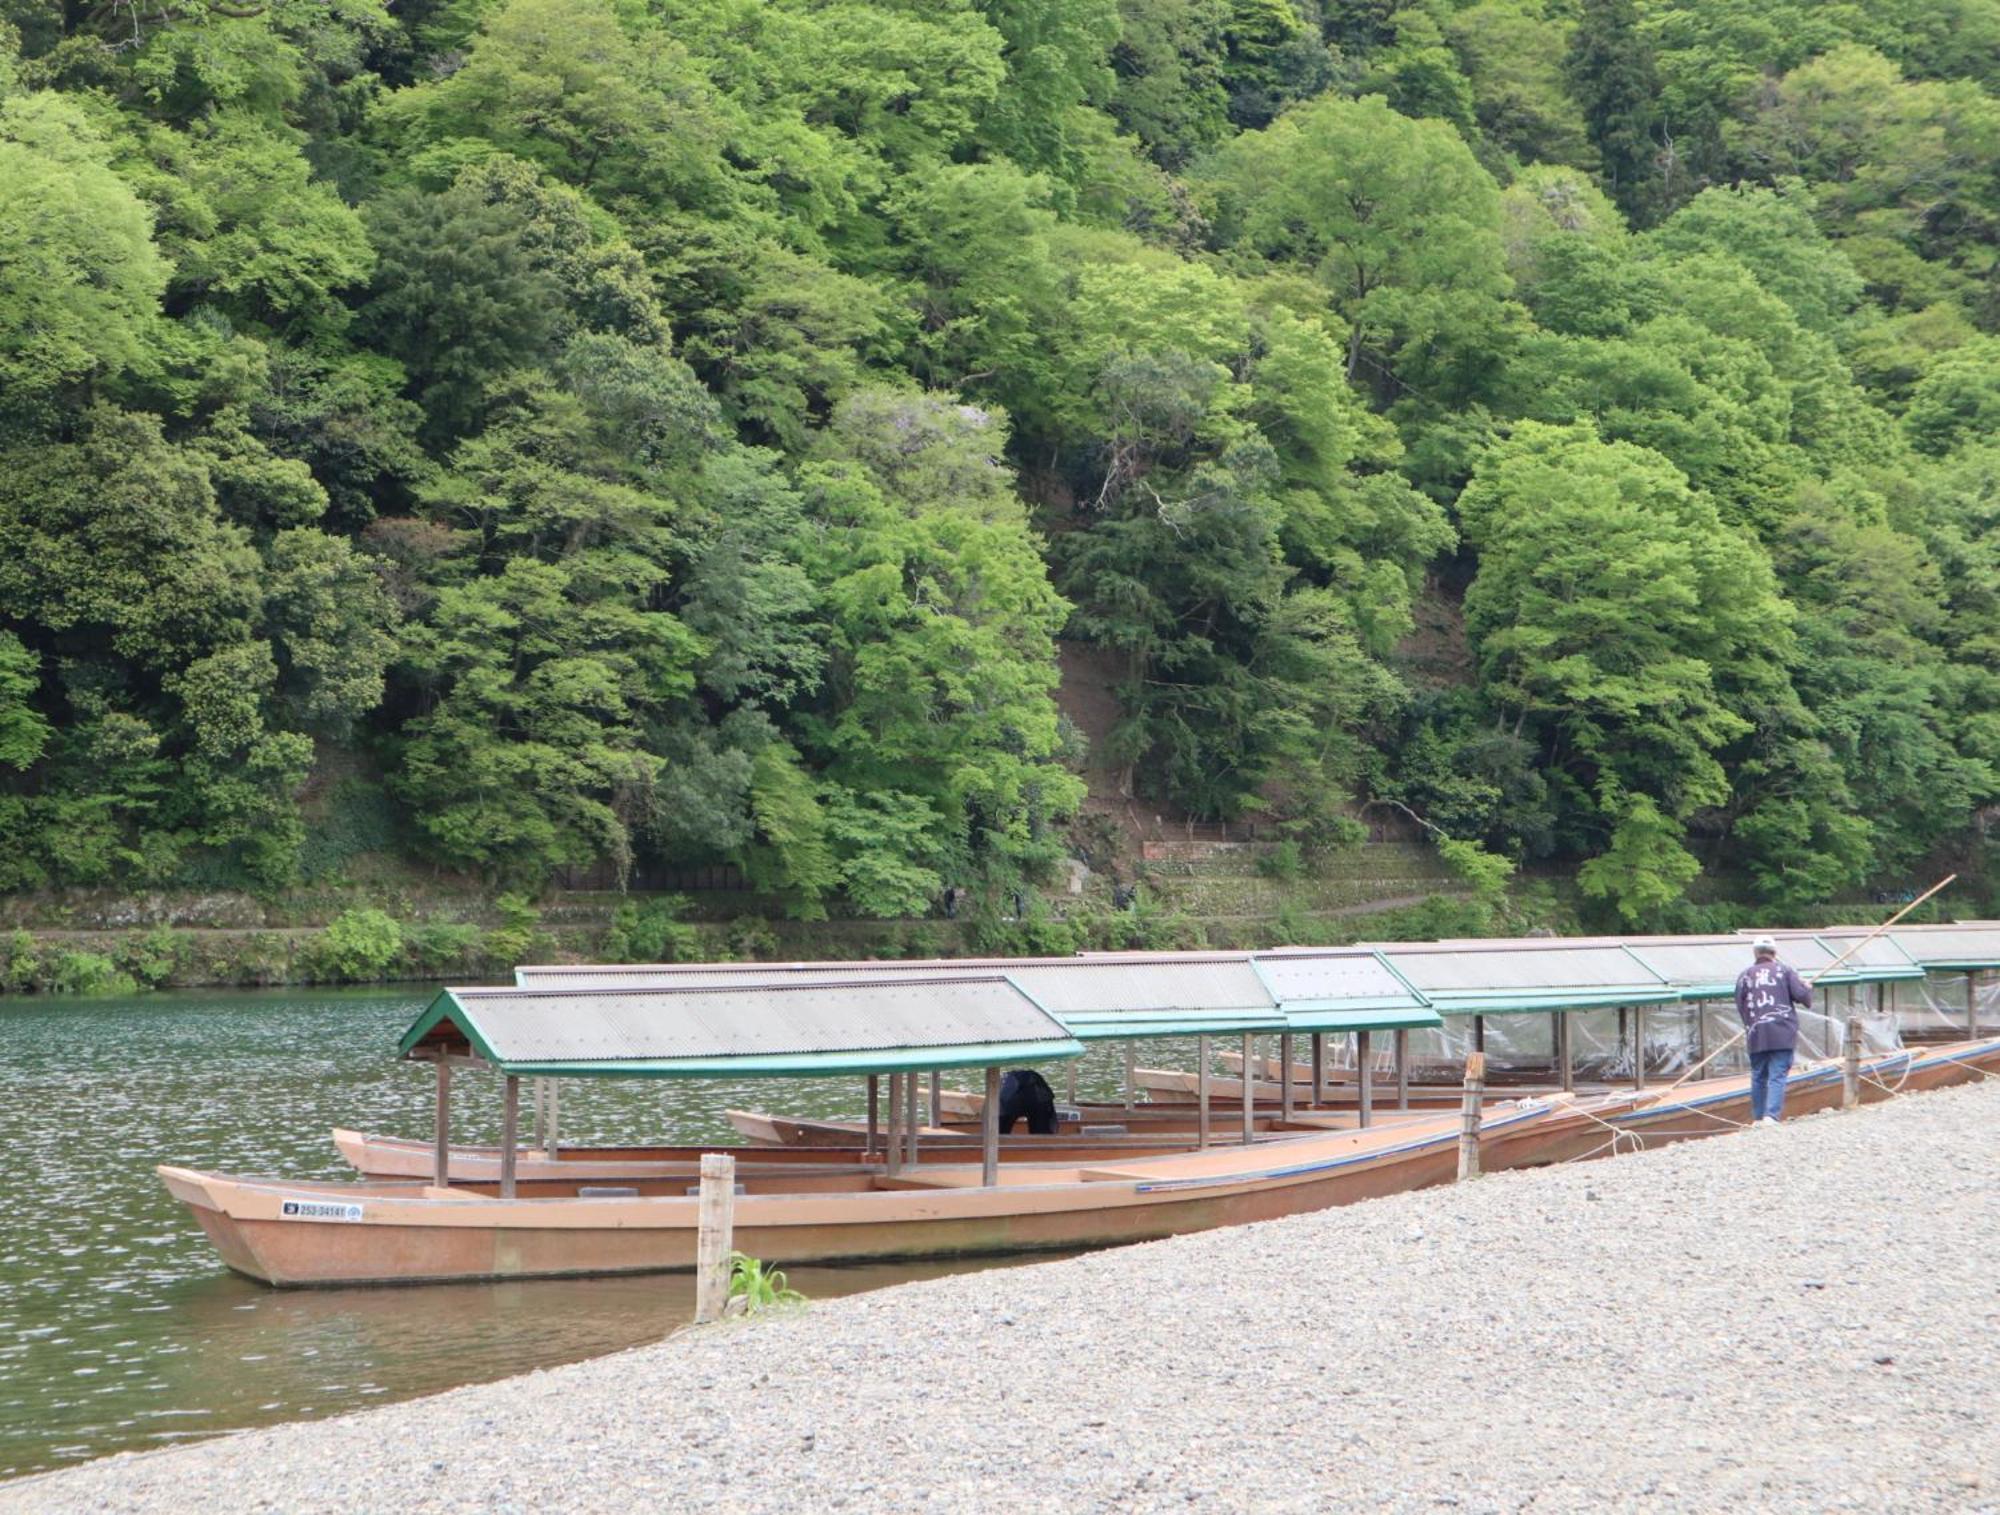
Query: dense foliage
[679, 432]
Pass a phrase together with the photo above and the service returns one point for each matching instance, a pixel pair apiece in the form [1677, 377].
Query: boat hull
[303, 1234]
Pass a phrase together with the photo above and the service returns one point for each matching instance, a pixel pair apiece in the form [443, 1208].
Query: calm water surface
[120, 1329]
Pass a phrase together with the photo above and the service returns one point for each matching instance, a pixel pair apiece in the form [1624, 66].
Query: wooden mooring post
[715, 1236]
[1475, 1097]
[1850, 1065]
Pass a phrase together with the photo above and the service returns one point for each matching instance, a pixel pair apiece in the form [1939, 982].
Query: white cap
[1764, 944]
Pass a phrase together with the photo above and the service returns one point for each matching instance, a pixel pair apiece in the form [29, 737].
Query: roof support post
[1200, 1091]
[910, 1119]
[1072, 1081]
[989, 1131]
[1479, 1033]
[894, 1163]
[1700, 1034]
[510, 1135]
[1972, 1003]
[1638, 1046]
[1403, 1069]
[1565, 1062]
[553, 1144]
[874, 1116]
[937, 1098]
[1285, 1076]
[538, 1094]
[1367, 1077]
[1319, 1069]
[441, 1155]
[1249, 1100]
[1131, 1071]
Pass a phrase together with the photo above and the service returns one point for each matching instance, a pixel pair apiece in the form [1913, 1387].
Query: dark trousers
[1768, 1072]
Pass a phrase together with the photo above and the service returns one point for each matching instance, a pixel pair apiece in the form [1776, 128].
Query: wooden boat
[316, 1233]
[292, 1233]
[377, 1156]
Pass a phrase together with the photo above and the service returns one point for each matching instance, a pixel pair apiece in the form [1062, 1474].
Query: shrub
[73, 972]
[357, 944]
[651, 931]
[440, 947]
[20, 963]
[512, 941]
[1285, 861]
[751, 939]
[155, 957]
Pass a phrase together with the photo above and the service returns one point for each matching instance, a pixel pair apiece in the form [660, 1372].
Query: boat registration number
[318, 1209]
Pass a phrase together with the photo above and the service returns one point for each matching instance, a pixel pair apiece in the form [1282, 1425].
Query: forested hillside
[643, 434]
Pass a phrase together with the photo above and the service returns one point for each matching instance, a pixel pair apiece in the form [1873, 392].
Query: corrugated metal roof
[1176, 994]
[1357, 979]
[1954, 946]
[778, 1029]
[1541, 975]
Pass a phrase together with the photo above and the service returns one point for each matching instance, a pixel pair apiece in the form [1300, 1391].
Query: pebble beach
[1805, 1318]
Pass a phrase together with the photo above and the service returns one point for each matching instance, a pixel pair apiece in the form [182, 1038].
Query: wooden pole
[1638, 1046]
[554, 1143]
[874, 1115]
[894, 1164]
[1468, 1135]
[1479, 1033]
[937, 1098]
[1072, 1081]
[1319, 1068]
[1201, 1091]
[910, 1119]
[989, 1132]
[1701, 1030]
[1131, 1070]
[1403, 1069]
[1850, 1069]
[1972, 1004]
[715, 1236]
[1367, 1076]
[1564, 1057]
[441, 1153]
[538, 1095]
[510, 1135]
[1285, 1076]
[1249, 1090]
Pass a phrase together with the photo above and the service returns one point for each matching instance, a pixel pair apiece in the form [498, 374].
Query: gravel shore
[1805, 1318]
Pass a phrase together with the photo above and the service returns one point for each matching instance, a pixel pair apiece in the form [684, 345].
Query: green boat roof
[802, 1030]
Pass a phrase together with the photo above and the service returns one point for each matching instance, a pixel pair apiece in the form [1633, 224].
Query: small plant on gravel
[759, 1286]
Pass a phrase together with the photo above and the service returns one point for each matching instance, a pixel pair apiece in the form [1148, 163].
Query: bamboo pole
[441, 1152]
[989, 1131]
[1201, 1091]
[715, 1235]
[1469, 1115]
[510, 1135]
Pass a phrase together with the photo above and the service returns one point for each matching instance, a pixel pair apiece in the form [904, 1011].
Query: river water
[120, 1329]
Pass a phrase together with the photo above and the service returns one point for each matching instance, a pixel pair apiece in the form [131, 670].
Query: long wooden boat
[319, 1233]
[378, 1156]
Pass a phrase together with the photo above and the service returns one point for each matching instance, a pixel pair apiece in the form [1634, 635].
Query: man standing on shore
[1769, 995]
